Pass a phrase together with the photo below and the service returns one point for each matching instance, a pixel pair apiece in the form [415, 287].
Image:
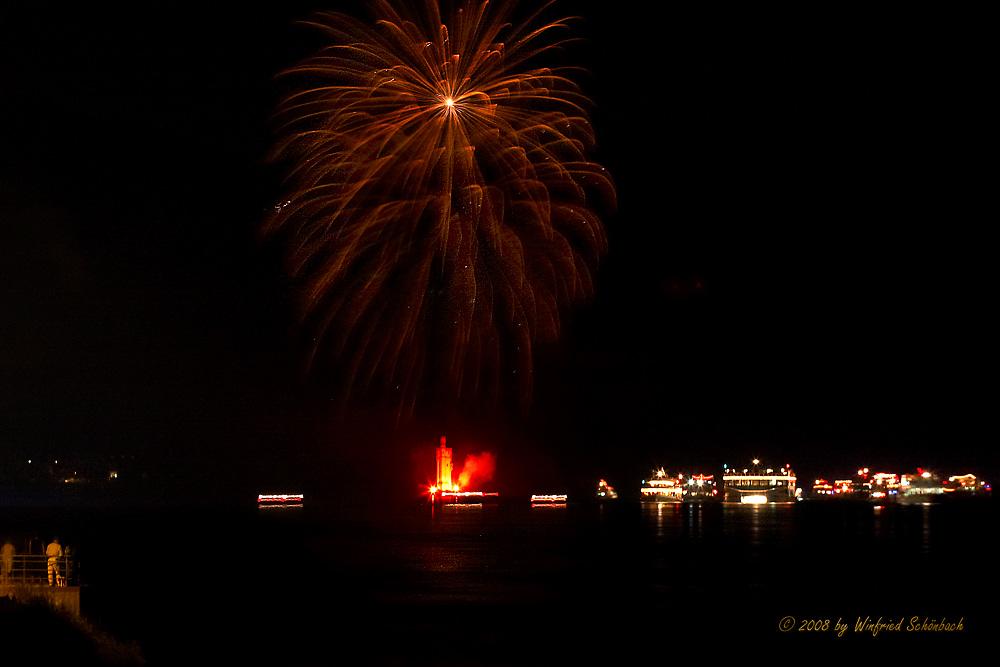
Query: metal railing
[35, 569]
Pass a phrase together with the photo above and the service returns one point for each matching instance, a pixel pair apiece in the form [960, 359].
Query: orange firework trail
[441, 207]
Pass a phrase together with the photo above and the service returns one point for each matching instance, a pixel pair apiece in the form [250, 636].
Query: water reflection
[695, 522]
[664, 519]
[698, 522]
[758, 524]
[925, 529]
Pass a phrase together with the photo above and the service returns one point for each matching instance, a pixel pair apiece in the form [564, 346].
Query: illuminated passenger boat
[879, 487]
[661, 489]
[927, 487]
[279, 499]
[924, 487]
[605, 491]
[699, 487]
[884, 487]
[966, 486]
[822, 489]
[756, 486]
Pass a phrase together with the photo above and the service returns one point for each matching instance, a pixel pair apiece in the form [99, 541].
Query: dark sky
[797, 267]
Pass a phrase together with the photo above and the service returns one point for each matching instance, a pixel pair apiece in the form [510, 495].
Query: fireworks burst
[441, 207]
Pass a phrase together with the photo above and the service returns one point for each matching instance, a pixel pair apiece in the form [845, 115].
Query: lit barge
[462, 497]
[548, 499]
[446, 492]
[279, 499]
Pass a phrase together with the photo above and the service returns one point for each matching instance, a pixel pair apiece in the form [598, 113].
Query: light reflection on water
[758, 523]
[925, 531]
[835, 547]
[664, 519]
[515, 553]
[509, 561]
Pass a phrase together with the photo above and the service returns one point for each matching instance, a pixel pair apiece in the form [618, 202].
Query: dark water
[514, 585]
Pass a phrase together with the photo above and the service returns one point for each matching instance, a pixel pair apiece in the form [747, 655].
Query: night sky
[797, 267]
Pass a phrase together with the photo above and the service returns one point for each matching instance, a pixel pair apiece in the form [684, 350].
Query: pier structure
[27, 576]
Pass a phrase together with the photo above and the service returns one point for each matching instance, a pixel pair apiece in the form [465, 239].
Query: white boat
[759, 486]
[661, 489]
